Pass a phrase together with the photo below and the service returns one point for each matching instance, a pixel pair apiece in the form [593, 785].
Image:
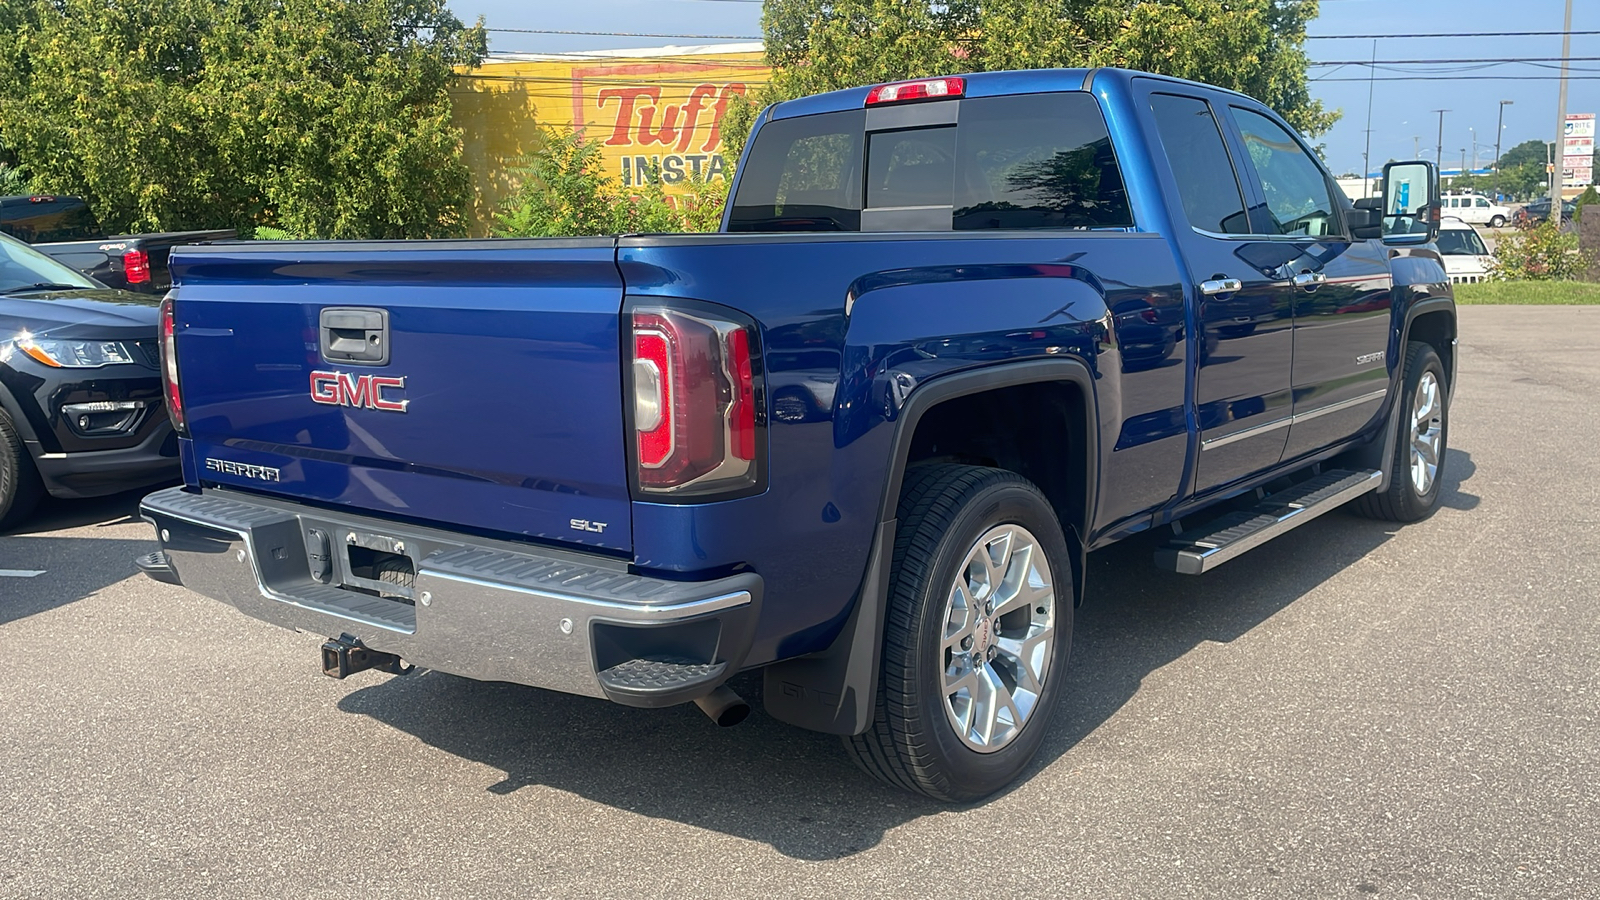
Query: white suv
[1476, 209]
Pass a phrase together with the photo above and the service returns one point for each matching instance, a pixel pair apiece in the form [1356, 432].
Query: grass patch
[1563, 293]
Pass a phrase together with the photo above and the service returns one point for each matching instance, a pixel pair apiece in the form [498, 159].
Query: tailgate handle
[355, 335]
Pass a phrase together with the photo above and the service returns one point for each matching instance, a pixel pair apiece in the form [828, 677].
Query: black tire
[944, 510]
[1402, 502]
[20, 487]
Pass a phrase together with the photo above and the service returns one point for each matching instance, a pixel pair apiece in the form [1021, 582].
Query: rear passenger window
[1037, 161]
[803, 174]
[1200, 164]
[1298, 199]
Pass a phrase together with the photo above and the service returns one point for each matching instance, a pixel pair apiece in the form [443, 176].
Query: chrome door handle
[1221, 286]
[1309, 280]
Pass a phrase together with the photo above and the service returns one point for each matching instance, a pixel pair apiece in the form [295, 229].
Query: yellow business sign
[656, 114]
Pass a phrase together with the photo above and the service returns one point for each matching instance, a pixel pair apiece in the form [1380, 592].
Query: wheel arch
[926, 431]
[834, 691]
[1433, 322]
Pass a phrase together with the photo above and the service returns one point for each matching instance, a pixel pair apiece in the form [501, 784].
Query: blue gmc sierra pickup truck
[955, 334]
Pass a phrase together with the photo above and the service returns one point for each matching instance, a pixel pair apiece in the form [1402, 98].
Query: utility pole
[1463, 164]
[1366, 154]
[1438, 150]
[1499, 126]
[1561, 122]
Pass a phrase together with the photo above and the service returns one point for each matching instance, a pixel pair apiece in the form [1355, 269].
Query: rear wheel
[1417, 459]
[976, 637]
[20, 488]
[1497, 222]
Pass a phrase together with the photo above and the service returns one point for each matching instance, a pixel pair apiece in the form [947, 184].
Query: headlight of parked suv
[63, 354]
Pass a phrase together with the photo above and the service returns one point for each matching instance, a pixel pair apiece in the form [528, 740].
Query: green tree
[1252, 46]
[1522, 170]
[325, 118]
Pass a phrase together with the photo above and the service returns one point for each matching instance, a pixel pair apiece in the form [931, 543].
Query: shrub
[1539, 253]
[565, 191]
[1584, 199]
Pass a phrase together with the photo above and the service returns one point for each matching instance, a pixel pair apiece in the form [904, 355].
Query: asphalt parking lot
[1353, 710]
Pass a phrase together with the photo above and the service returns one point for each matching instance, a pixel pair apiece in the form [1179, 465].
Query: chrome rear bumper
[489, 610]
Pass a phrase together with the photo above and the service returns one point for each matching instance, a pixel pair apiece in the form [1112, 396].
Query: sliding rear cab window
[1033, 161]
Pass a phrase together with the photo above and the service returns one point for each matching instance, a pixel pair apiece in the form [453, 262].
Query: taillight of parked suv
[136, 266]
[169, 367]
[698, 430]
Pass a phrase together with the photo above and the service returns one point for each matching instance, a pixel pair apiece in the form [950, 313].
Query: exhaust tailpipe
[723, 706]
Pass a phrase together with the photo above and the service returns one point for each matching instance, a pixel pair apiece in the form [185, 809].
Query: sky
[1402, 111]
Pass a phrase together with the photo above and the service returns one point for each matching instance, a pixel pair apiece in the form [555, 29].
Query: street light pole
[1366, 152]
[1499, 125]
[1438, 151]
[1561, 122]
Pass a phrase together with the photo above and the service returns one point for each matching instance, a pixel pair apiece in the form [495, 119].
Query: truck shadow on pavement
[74, 567]
[797, 791]
[103, 512]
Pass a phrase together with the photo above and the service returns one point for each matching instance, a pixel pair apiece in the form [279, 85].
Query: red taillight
[694, 403]
[652, 391]
[169, 366]
[742, 414]
[136, 265]
[925, 89]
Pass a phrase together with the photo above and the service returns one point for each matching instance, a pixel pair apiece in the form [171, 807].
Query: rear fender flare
[835, 690]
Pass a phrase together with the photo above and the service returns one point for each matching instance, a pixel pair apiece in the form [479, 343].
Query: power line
[587, 59]
[1458, 34]
[1421, 62]
[708, 37]
[1463, 78]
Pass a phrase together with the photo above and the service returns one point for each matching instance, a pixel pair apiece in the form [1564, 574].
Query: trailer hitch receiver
[345, 655]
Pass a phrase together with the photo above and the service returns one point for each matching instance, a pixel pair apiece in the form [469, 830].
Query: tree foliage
[325, 118]
[1252, 46]
[565, 191]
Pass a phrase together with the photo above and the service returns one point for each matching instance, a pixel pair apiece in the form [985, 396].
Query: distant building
[656, 113]
[1357, 187]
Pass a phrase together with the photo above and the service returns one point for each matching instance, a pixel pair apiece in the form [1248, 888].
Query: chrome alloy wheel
[999, 629]
[1427, 432]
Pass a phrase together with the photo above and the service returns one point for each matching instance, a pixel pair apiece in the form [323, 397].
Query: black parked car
[64, 228]
[81, 410]
[1539, 211]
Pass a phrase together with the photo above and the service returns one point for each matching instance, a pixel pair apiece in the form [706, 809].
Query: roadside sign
[1577, 153]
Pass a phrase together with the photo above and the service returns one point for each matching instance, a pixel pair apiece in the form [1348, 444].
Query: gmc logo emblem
[359, 391]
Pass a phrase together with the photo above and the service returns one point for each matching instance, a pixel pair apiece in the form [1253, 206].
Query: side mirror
[1410, 202]
[1366, 219]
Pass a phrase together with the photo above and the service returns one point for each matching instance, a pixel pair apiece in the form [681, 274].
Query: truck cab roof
[991, 84]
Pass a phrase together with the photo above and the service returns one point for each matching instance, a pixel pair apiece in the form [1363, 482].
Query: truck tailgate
[498, 407]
